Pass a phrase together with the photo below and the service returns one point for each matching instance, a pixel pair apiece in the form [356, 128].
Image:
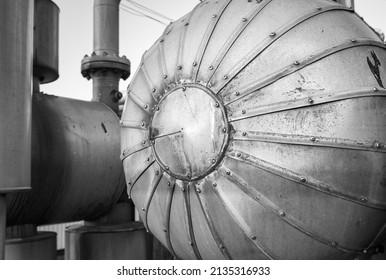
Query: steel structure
[256, 130]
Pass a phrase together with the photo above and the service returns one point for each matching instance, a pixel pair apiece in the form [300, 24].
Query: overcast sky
[137, 34]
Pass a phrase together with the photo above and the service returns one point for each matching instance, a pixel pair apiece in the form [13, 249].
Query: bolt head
[210, 67]
[313, 139]
[282, 214]
[375, 89]
[244, 134]
[272, 34]
[303, 180]
[243, 112]
[198, 190]
[244, 20]
[217, 105]
[142, 124]
[153, 90]
[214, 16]
[194, 63]
[183, 88]
[179, 67]
[228, 173]
[225, 77]
[238, 154]
[165, 76]
[214, 184]
[237, 93]
[213, 160]
[253, 237]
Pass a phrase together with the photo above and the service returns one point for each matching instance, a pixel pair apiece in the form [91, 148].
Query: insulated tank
[257, 129]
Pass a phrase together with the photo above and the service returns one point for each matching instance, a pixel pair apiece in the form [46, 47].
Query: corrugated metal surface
[60, 230]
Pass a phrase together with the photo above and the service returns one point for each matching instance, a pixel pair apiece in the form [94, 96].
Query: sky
[137, 34]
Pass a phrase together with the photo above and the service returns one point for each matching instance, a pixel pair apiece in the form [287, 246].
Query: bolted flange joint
[95, 63]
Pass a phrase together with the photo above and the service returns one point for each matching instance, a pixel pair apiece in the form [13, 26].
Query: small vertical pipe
[106, 26]
[3, 207]
[104, 66]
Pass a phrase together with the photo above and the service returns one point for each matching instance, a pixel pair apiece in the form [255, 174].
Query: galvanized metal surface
[46, 41]
[105, 67]
[76, 172]
[257, 130]
[16, 44]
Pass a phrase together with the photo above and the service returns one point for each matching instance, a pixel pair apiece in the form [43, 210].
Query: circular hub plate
[189, 132]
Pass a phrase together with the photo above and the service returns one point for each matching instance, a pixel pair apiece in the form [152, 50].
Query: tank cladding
[256, 130]
[76, 171]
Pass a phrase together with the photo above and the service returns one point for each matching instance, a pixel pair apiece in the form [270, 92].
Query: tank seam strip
[307, 182]
[206, 39]
[190, 222]
[244, 62]
[139, 172]
[247, 231]
[300, 64]
[149, 197]
[319, 141]
[169, 201]
[315, 100]
[234, 36]
[212, 228]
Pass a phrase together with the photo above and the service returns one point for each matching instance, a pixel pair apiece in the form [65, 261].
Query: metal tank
[257, 129]
[76, 171]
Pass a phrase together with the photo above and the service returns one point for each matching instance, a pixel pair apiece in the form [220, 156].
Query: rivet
[190, 243]
[237, 93]
[353, 40]
[296, 62]
[302, 179]
[214, 16]
[167, 167]
[243, 112]
[228, 173]
[224, 130]
[182, 189]
[153, 90]
[272, 34]
[186, 24]
[379, 145]
[214, 184]
[141, 63]
[147, 231]
[168, 183]
[313, 139]
[210, 67]
[230, 114]
[165, 76]
[244, 134]
[179, 67]
[121, 122]
[364, 251]
[144, 142]
[157, 172]
[129, 183]
[363, 200]
[222, 247]
[318, 8]
[225, 77]
[194, 63]
[213, 160]
[157, 108]
[333, 244]
[189, 176]
[142, 124]
[198, 190]
[143, 209]
[253, 237]
[164, 229]
[152, 141]
[162, 40]
[238, 154]
[310, 100]
[216, 105]
[282, 214]
[183, 88]
[244, 20]
[375, 89]
[148, 159]
[146, 106]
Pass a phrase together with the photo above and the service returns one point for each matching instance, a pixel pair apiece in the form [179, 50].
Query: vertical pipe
[16, 47]
[106, 26]
[105, 67]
